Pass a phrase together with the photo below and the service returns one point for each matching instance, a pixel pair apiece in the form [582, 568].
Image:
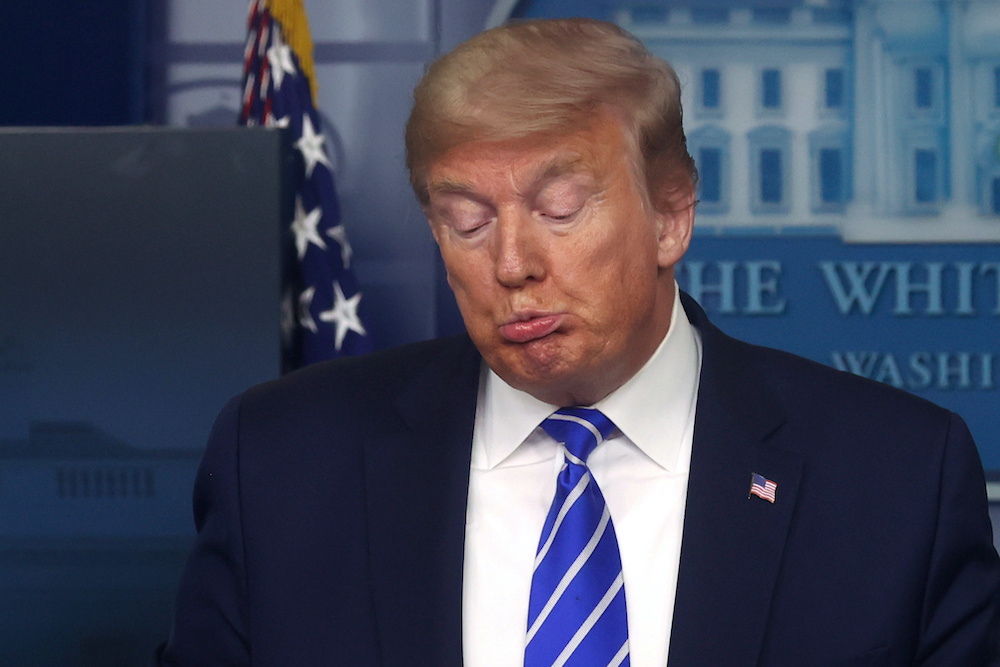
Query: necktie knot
[579, 429]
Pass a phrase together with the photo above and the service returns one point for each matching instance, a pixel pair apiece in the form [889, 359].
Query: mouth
[524, 329]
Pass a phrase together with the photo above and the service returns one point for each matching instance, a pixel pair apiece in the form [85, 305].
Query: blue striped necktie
[576, 615]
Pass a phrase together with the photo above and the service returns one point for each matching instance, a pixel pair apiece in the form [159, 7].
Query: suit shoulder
[817, 383]
[801, 385]
[845, 415]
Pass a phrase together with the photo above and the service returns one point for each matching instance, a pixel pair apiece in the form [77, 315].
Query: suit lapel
[732, 544]
[417, 477]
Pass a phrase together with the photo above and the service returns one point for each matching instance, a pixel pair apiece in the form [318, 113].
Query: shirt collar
[652, 409]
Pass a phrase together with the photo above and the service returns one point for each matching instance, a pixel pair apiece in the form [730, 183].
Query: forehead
[596, 149]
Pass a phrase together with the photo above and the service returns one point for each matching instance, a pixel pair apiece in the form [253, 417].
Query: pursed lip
[529, 326]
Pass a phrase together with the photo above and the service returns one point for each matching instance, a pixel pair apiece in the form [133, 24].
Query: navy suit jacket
[331, 503]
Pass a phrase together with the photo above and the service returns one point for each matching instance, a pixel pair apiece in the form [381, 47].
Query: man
[754, 508]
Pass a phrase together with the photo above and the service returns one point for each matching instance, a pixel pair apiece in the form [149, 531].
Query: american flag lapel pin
[762, 487]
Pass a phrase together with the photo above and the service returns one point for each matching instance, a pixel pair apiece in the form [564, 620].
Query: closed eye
[561, 218]
[461, 213]
[564, 196]
[469, 230]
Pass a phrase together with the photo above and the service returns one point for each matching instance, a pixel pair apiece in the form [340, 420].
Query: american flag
[320, 314]
[762, 487]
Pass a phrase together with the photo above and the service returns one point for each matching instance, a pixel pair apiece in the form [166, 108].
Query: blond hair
[552, 77]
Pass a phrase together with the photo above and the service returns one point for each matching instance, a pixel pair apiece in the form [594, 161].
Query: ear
[676, 227]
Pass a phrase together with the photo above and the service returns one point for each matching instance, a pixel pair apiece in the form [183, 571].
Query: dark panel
[73, 62]
[138, 292]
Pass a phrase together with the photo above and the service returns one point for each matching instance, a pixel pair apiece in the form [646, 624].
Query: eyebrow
[559, 166]
[562, 166]
[449, 186]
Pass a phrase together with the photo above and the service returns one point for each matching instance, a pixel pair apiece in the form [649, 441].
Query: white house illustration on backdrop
[879, 119]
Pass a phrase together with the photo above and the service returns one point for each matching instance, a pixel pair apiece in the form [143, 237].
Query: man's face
[563, 276]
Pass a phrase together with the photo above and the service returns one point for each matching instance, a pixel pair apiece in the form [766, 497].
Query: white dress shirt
[642, 470]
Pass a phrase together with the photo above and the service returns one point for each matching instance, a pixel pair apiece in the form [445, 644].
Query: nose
[519, 256]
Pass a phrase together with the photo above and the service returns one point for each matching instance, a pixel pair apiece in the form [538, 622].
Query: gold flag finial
[295, 30]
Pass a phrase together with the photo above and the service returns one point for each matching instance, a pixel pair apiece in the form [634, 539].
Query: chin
[552, 383]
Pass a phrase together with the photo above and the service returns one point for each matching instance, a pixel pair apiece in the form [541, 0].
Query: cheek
[622, 286]
[457, 262]
[470, 280]
[616, 263]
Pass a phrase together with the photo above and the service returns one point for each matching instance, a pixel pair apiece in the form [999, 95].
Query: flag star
[311, 146]
[344, 315]
[280, 57]
[305, 315]
[339, 234]
[277, 122]
[304, 226]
